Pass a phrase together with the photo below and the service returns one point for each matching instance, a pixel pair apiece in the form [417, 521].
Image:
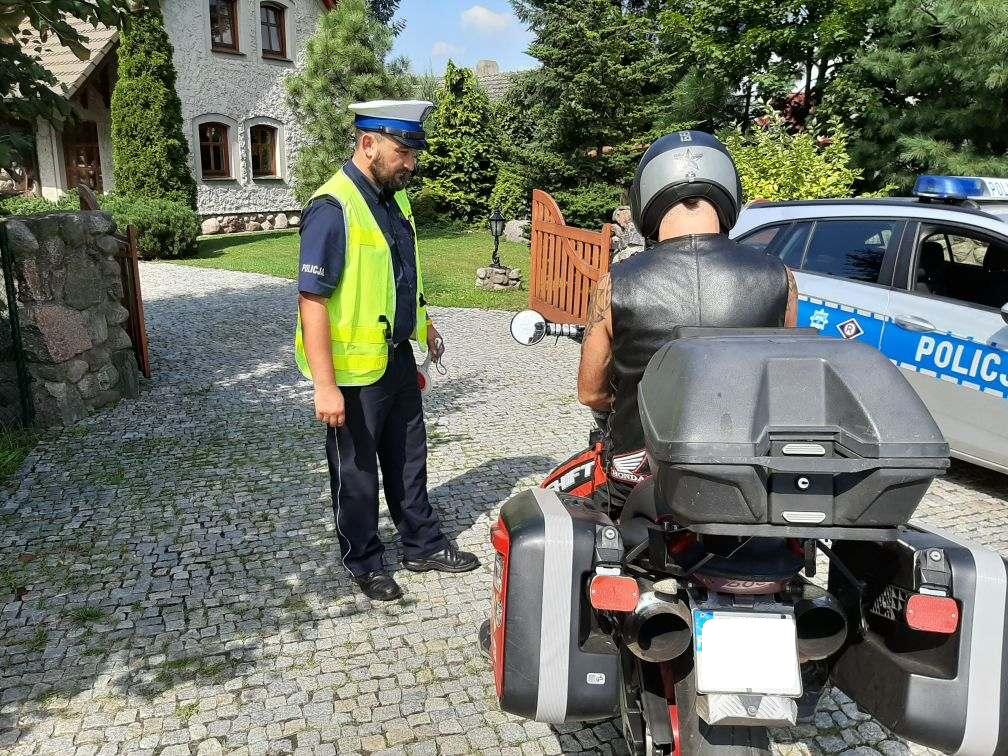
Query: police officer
[685, 197]
[361, 302]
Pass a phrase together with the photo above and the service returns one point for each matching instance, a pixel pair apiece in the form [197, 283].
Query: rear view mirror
[528, 327]
[1004, 312]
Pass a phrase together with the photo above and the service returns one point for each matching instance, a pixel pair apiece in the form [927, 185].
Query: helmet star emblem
[688, 160]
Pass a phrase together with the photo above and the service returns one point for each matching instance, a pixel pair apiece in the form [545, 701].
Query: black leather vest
[705, 280]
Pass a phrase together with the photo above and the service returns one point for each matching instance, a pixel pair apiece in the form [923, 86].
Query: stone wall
[237, 222]
[80, 358]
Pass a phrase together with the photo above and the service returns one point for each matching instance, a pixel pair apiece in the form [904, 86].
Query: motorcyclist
[685, 197]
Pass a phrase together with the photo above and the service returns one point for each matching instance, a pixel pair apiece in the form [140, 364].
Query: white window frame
[281, 147]
[234, 147]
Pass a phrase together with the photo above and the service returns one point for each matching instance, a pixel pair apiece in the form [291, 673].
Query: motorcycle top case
[945, 690]
[778, 427]
[551, 663]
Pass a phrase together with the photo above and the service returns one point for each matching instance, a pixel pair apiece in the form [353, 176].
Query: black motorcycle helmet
[684, 165]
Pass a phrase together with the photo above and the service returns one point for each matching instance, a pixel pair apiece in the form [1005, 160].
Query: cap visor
[412, 144]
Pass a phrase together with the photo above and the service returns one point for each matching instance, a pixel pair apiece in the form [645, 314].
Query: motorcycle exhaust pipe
[821, 624]
[659, 629]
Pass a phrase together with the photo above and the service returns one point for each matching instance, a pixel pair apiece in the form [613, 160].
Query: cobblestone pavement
[171, 580]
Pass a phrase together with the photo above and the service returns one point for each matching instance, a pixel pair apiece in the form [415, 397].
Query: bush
[425, 207]
[460, 166]
[512, 193]
[167, 228]
[29, 204]
[590, 206]
[776, 165]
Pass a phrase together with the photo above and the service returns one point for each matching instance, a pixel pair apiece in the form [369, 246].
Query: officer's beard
[389, 180]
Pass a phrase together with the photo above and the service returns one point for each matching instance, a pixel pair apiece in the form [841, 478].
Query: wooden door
[83, 163]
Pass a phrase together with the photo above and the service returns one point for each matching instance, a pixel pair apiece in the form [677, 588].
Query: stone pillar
[498, 279]
[80, 357]
[626, 238]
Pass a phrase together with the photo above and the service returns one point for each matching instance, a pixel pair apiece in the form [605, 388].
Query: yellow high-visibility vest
[362, 308]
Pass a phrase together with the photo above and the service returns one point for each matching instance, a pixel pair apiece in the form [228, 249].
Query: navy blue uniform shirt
[323, 248]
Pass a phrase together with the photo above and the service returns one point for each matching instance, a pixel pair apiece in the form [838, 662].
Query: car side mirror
[1004, 312]
[528, 327]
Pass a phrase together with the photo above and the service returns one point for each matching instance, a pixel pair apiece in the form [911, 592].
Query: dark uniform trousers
[384, 424]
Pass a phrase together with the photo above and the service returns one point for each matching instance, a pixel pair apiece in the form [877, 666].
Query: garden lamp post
[497, 231]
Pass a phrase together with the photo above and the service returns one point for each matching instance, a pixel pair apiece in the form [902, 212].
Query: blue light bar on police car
[961, 188]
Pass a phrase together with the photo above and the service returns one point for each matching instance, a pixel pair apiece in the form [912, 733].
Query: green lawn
[449, 262]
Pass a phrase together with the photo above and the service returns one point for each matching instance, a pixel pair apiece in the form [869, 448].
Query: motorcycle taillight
[501, 540]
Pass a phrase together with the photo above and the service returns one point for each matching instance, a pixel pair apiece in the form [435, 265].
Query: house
[231, 58]
[495, 82]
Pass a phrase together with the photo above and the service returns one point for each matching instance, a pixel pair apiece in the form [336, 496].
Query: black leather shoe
[449, 559]
[484, 639]
[379, 585]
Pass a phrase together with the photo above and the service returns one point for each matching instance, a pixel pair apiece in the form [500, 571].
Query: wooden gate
[566, 263]
[129, 273]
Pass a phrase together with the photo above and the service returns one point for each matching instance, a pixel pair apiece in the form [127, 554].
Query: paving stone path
[170, 581]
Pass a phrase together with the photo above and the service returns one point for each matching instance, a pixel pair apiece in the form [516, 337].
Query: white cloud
[485, 20]
[445, 50]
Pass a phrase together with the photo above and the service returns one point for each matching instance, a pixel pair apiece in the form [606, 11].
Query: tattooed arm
[791, 313]
[597, 350]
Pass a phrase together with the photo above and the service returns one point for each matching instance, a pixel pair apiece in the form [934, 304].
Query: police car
[924, 279]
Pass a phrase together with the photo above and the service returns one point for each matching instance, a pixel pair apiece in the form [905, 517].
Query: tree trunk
[809, 62]
[820, 82]
[748, 105]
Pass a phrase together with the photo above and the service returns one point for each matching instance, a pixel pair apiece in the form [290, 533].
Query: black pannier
[784, 432]
[551, 661]
[944, 690]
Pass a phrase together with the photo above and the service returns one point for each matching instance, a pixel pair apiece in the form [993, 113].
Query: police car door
[843, 275]
[948, 333]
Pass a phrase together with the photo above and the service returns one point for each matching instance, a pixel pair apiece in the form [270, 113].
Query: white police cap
[402, 120]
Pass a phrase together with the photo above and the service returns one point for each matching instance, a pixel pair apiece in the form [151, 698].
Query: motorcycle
[695, 613]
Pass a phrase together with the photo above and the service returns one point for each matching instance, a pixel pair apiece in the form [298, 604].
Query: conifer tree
[600, 76]
[150, 153]
[346, 62]
[932, 94]
[460, 166]
[600, 70]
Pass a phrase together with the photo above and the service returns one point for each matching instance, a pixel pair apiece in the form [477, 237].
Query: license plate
[746, 652]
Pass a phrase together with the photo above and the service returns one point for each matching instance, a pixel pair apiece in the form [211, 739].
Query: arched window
[273, 30]
[224, 25]
[263, 140]
[215, 158]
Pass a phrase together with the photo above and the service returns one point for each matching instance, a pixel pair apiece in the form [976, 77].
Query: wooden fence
[566, 263]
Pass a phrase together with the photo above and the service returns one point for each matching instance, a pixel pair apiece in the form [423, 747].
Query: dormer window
[273, 31]
[224, 25]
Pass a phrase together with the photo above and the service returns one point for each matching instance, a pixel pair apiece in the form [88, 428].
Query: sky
[466, 31]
